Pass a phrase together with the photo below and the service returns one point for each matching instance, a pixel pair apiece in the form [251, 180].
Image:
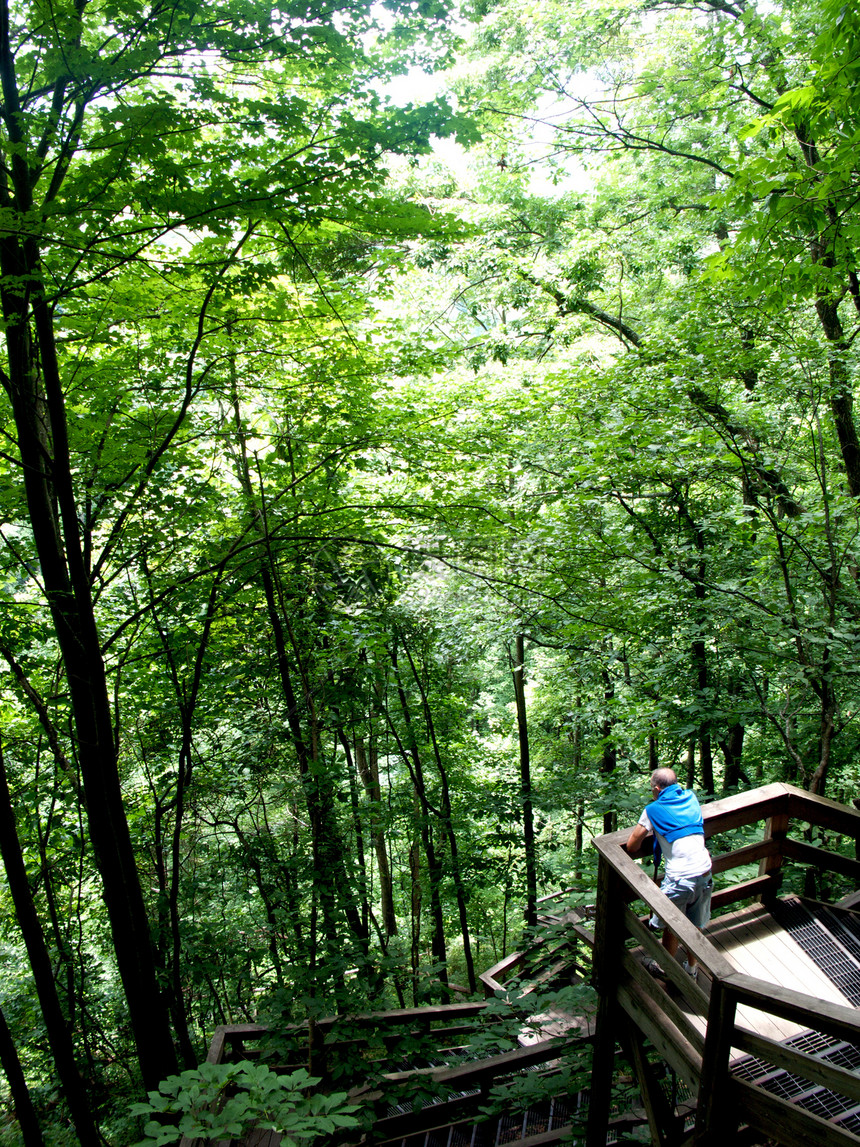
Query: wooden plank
[424, 1015]
[685, 1022]
[666, 1038]
[608, 949]
[821, 858]
[661, 1118]
[758, 886]
[775, 830]
[760, 948]
[739, 935]
[822, 811]
[799, 1063]
[229, 1035]
[746, 855]
[584, 934]
[744, 808]
[786, 1122]
[216, 1047]
[689, 988]
[439, 1038]
[809, 1011]
[471, 1074]
[509, 962]
[715, 1117]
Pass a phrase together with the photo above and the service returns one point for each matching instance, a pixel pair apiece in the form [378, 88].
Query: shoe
[692, 972]
[652, 967]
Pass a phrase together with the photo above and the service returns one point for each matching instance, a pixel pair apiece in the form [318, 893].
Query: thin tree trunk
[732, 746]
[609, 751]
[448, 825]
[415, 911]
[518, 672]
[56, 1027]
[412, 760]
[368, 770]
[25, 1113]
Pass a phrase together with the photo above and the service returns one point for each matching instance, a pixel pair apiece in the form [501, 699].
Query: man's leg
[670, 942]
[699, 910]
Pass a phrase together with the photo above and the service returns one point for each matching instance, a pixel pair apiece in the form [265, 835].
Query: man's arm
[637, 835]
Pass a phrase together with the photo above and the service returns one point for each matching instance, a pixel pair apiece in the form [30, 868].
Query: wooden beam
[798, 1063]
[744, 808]
[503, 1064]
[822, 811]
[786, 1122]
[716, 1120]
[775, 831]
[216, 1047]
[758, 886]
[661, 1118]
[228, 1035]
[423, 1015]
[671, 1043]
[809, 1011]
[688, 987]
[746, 855]
[608, 950]
[651, 987]
[822, 858]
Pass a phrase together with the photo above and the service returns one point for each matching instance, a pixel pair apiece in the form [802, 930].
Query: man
[675, 818]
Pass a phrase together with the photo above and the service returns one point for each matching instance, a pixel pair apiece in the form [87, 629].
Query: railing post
[714, 1119]
[608, 948]
[776, 828]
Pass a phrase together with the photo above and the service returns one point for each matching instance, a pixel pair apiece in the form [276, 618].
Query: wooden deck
[770, 1036]
[756, 944]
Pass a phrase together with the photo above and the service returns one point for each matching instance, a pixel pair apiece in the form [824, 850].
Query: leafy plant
[224, 1100]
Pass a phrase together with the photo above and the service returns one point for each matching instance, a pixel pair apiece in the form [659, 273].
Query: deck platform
[769, 1038]
[756, 943]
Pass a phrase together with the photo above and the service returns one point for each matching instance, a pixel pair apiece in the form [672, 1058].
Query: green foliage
[225, 1101]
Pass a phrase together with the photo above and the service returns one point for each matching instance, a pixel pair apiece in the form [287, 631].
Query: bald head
[662, 778]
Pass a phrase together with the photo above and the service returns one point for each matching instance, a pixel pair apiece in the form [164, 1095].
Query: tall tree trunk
[368, 769]
[448, 825]
[732, 746]
[56, 1026]
[609, 751]
[35, 390]
[332, 881]
[186, 695]
[412, 760]
[415, 911]
[25, 1113]
[518, 673]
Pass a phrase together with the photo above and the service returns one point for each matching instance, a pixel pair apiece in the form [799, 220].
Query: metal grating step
[814, 937]
[794, 1089]
[845, 926]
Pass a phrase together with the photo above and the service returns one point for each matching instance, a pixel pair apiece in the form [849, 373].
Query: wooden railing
[459, 1092]
[702, 1061]
[542, 962]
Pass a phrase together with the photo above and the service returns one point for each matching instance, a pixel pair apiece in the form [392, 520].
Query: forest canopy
[391, 482]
